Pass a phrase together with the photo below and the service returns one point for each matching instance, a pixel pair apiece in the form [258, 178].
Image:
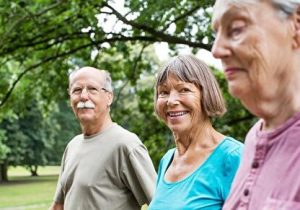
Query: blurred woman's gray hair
[190, 69]
[285, 8]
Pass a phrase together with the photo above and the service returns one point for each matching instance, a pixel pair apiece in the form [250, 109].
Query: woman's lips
[230, 72]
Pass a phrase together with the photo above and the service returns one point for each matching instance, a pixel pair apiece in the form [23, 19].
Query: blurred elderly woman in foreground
[259, 45]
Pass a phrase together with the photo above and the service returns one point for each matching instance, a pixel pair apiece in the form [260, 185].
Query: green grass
[24, 192]
[21, 171]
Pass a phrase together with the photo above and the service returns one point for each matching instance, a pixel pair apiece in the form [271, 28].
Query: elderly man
[258, 42]
[106, 167]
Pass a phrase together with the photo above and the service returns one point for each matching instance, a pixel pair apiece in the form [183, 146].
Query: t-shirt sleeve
[59, 195]
[140, 175]
[231, 166]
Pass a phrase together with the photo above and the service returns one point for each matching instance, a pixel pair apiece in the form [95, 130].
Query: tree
[55, 34]
[42, 41]
[34, 139]
[4, 150]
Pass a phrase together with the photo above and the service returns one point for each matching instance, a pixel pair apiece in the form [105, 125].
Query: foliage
[4, 150]
[43, 40]
[60, 35]
[237, 120]
[35, 138]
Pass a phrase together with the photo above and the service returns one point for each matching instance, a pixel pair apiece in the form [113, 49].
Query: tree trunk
[33, 170]
[3, 172]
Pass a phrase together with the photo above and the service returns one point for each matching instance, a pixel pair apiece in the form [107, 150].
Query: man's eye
[93, 90]
[77, 90]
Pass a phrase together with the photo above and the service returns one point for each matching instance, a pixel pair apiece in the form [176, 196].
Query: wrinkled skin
[258, 53]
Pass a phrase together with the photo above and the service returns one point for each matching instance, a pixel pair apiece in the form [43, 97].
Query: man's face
[255, 47]
[90, 103]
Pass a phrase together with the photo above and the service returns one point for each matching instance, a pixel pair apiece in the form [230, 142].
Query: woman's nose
[173, 99]
[220, 48]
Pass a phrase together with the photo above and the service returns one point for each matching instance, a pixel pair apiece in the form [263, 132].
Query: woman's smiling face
[178, 104]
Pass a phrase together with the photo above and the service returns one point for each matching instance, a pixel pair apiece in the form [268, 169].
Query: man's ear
[110, 96]
[296, 23]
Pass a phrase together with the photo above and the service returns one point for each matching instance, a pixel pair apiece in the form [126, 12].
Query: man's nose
[84, 94]
[220, 48]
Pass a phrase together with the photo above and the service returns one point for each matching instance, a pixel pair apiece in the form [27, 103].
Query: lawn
[25, 192]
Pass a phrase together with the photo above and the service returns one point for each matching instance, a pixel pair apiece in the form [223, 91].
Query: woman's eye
[184, 90]
[234, 32]
[236, 28]
[162, 93]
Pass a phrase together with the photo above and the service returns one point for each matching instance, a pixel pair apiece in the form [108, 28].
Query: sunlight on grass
[21, 171]
[26, 192]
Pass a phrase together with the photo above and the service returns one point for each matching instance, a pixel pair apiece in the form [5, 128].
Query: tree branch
[24, 18]
[51, 58]
[138, 58]
[162, 37]
[184, 15]
[60, 39]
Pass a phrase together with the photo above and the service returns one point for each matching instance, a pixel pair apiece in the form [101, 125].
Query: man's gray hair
[107, 82]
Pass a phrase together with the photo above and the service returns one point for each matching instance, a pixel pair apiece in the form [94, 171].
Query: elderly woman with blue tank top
[197, 174]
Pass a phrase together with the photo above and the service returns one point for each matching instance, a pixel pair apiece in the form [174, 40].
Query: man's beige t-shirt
[108, 171]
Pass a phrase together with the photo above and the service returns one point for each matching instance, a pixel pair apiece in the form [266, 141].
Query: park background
[41, 41]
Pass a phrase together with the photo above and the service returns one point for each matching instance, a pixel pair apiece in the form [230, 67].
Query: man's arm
[140, 175]
[56, 206]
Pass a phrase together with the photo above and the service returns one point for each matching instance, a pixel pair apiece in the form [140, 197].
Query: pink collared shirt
[269, 174]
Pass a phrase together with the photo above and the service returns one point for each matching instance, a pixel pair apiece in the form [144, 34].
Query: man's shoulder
[119, 130]
[124, 136]
[76, 139]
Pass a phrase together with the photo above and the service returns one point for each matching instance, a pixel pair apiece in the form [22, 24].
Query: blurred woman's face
[179, 104]
[255, 47]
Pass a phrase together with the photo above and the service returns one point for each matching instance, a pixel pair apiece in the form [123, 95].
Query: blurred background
[41, 41]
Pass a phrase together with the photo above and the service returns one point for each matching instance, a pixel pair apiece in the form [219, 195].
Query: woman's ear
[296, 23]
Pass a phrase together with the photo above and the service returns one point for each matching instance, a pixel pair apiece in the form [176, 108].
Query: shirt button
[246, 192]
[255, 164]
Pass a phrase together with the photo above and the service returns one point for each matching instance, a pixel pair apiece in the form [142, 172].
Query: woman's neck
[204, 137]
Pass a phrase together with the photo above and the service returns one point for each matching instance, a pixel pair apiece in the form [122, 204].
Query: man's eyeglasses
[76, 91]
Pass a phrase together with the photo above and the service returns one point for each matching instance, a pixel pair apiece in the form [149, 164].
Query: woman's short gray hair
[285, 7]
[190, 69]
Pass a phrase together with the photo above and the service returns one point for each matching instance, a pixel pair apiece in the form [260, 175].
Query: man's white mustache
[85, 105]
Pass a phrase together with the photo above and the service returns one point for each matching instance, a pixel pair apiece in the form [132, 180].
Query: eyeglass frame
[89, 90]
